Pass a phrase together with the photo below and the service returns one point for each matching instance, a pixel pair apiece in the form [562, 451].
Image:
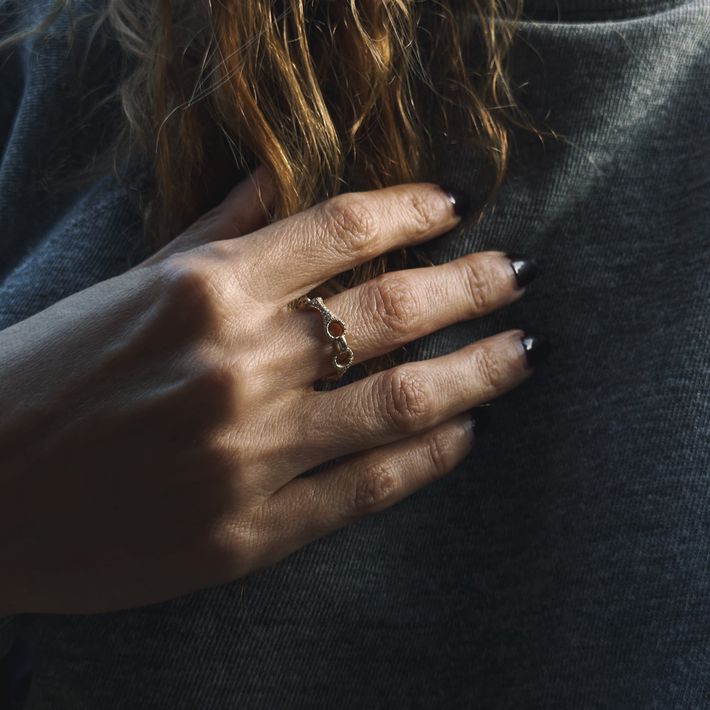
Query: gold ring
[335, 331]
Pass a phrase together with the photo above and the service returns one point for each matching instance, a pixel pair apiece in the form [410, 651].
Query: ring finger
[401, 306]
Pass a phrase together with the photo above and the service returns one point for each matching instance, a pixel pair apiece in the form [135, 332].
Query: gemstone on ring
[335, 331]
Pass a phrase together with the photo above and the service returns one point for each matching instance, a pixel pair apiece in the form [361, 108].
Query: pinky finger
[311, 507]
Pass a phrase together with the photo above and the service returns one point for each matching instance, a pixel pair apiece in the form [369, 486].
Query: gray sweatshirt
[565, 563]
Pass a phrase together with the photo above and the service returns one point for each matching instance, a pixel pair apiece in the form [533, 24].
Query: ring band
[335, 331]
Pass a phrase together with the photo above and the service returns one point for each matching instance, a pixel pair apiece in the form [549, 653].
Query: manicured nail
[537, 348]
[525, 268]
[481, 417]
[458, 200]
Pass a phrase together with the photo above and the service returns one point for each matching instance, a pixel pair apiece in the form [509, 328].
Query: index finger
[294, 255]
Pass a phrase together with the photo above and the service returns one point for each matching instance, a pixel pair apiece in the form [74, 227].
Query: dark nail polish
[525, 268]
[459, 201]
[481, 417]
[537, 348]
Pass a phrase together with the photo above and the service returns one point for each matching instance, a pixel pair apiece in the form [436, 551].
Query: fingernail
[481, 418]
[537, 348]
[458, 200]
[525, 268]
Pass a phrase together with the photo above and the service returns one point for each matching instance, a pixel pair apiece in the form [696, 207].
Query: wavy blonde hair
[330, 95]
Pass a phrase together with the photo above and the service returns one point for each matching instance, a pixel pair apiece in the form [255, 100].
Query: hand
[155, 425]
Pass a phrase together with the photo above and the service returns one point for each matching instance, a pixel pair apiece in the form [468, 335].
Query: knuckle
[211, 396]
[188, 291]
[234, 546]
[350, 222]
[393, 303]
[373, 488]
[217, 381]
[255, 539]
[422, 213]
[184, 275]
[408, 400]
[478, 286]
[438, 451]
[490, 368]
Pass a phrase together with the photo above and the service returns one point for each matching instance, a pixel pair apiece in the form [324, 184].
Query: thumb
[246, 208]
